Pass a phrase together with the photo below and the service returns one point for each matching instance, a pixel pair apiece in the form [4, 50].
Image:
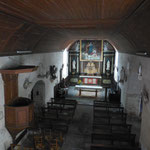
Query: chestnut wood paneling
[51, 25]
[22, 115]
[18, 118]
[10, 121]
[76, 13]
[16, 34]
[19, 69]
[137, 29]
[10, 87]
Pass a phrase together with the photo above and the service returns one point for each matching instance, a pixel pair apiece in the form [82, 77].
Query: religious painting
[91, 50]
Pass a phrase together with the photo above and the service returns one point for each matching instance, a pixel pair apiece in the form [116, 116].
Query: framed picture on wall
[91, 50]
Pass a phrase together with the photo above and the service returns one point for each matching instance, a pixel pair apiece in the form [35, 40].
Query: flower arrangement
[79, 82]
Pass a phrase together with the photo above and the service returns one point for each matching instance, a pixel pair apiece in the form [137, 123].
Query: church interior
[74, 75]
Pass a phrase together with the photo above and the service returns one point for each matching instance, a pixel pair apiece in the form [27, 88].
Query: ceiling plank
[51, 11]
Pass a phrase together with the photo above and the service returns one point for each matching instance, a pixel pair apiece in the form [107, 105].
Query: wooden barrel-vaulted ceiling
[51, 25]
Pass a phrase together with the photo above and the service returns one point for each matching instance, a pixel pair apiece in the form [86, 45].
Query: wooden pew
[64, 101]
[110, 120]
[109, 108]
[97, 102]
[111, 113]
[54, 124]
[111, 147]
[63, 107]
[110, 131]
[113, 137]
[112, 128]
[58, 112]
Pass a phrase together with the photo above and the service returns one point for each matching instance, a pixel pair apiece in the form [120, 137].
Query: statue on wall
[73, 64]
[108, 68]
[60, 71]
[140, 72]
[108, 65]
[123, 76]
[53, 71]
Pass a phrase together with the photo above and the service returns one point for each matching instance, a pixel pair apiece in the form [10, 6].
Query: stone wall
[131, 90]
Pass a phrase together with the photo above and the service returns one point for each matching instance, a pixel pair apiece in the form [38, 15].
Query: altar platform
[89, 88]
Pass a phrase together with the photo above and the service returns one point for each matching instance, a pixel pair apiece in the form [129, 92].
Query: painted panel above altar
[91, 50]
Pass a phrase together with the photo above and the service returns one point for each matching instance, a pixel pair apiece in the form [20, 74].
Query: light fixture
[142, 53]
[23, 52]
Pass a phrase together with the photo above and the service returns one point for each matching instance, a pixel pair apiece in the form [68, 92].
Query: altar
[91, 66]
[89, 88]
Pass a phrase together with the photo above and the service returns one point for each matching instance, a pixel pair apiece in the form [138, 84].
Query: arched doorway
[38, 95]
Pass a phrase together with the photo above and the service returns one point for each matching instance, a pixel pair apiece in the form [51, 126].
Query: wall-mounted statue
[60, 71]
[140, 72]
[53, 71]
[123, 76]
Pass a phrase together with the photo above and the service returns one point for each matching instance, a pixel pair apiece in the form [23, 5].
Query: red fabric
[90, 81]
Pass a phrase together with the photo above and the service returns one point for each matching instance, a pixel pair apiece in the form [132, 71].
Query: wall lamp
[23, 52]
[142, 53]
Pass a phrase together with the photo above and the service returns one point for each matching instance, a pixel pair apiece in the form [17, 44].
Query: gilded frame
[91, 50]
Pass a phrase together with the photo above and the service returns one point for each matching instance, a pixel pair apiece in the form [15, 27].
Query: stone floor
[78, 136]
[86, 98]
[79, 133]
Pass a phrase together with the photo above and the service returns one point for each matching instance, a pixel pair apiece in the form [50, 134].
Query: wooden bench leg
[80, 92]
[96, 93]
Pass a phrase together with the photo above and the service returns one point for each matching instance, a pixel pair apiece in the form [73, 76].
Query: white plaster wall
[131, 91]
[46, 59]
[5, 138]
